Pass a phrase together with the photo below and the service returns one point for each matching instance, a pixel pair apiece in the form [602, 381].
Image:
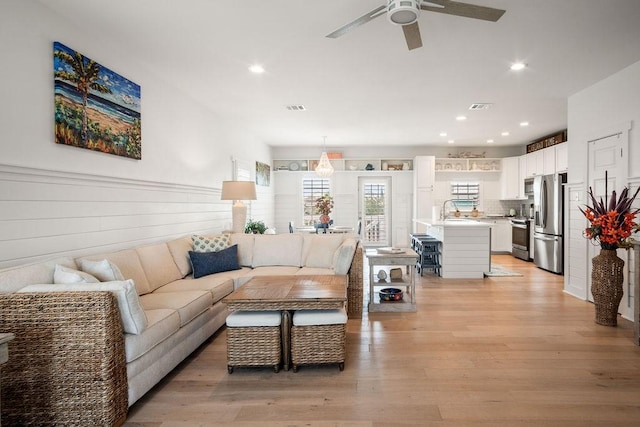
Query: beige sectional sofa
[85, 352]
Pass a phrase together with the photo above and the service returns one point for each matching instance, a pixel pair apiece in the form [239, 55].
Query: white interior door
[607, 155]
[375, 210]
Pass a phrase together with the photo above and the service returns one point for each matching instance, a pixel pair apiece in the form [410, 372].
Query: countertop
[453, 222]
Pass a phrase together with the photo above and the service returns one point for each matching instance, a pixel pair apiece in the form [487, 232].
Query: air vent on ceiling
[298, 107]
[480, 106]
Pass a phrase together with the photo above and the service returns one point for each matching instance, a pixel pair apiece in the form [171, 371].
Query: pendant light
[324, 168]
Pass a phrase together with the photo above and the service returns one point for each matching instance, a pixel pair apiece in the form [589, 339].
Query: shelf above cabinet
[368, 165]
[468, 165]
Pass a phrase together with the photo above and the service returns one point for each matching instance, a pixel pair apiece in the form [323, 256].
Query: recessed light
[489, 141]
[443, 134]
[523, 124]
[451, 141]
[461, 118]
[505, 133]
[257, 69]
[517, 66]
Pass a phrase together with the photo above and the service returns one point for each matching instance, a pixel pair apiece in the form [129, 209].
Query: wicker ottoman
[253, 339]
[318, 337]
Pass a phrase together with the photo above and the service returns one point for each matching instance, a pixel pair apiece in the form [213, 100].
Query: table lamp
[238, 191]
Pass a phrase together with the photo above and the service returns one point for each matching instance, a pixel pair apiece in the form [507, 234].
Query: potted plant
[254, 227]
[610, 226]
[323, 206]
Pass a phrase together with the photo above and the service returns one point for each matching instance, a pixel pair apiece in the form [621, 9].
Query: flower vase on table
[324, 219]
[611, 226]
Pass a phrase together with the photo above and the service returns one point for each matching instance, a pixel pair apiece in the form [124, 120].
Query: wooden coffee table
[287, 293]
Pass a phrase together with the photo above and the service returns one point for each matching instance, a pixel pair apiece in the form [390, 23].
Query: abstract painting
[263, 174]
[95, 108]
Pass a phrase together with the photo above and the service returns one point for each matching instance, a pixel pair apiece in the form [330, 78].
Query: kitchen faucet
[443, 214]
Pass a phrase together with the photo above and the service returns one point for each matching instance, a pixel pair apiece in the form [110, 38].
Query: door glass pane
[374, 228]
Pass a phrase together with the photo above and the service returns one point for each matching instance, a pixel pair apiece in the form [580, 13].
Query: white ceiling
[366, 88]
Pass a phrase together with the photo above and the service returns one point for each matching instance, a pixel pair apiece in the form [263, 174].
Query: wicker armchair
[67, 362]
[354, 292]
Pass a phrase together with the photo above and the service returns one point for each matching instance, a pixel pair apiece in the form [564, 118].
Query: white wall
[612, 103]
[184, 145]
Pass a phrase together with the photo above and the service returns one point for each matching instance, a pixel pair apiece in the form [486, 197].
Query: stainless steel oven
[520, 238]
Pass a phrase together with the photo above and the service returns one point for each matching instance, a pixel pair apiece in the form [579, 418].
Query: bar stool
[318, 337]
[428, 249]
[253, 339]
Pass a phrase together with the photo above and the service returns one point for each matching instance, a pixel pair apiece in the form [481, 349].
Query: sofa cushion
[64, 274]
[278, 249]
[220, 286]
[158, 265]
[129, 264]
[103, 270]
[245, 244]
[188, 303]
[322, 250]
[162, 323]
[205, 263]
[213, 243]
[179, 249]
[344, 255]
[313, 271]
[133, 317]
[274, 270]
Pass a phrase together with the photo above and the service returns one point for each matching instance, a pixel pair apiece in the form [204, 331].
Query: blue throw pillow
[205, 263]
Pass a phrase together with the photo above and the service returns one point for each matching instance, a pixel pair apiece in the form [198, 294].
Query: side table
[407, 259]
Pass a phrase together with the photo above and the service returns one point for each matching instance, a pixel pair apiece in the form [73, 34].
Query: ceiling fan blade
[412, 35]
[464, 9]
[353, 24]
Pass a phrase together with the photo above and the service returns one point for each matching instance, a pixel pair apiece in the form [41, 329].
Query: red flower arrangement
[611, 225]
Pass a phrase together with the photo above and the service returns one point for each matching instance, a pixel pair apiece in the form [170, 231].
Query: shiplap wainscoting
[46, 214]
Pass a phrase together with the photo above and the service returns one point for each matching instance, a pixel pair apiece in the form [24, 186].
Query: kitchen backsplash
[498, 207]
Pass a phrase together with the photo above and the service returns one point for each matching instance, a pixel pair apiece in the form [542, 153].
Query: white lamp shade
[238, 190]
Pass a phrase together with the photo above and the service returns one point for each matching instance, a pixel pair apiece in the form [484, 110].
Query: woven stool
[253, 339]
[318, 337]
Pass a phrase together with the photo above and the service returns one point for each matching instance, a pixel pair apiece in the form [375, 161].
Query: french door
[375, 210]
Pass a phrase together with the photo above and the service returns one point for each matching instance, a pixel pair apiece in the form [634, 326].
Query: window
[311, 190]
[465, 195]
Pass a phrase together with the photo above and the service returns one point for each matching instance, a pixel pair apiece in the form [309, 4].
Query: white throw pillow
[344, 256]
[64, 274]
[210, 243]
[134, 321]
[103, 270]
[322, 250]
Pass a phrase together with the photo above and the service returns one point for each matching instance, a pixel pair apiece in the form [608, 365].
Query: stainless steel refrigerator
[548, 199]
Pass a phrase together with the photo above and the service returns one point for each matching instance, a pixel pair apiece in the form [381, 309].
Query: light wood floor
[503, 351]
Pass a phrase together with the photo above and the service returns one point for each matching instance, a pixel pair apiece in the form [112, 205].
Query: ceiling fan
[406, 12]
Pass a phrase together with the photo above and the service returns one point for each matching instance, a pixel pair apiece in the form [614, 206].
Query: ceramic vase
[324, 219]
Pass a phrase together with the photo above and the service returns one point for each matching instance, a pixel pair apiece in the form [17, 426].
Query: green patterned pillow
[210, 243]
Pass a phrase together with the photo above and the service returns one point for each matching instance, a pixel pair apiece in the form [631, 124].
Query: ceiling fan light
[403, 12]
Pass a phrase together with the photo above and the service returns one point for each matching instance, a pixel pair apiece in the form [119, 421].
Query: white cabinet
[423, 189]
[522, 160]
[510, 179]
[500, 234]
[549, 160]
[554, 159]
[562, 157]
[424, 167]
[535, 164]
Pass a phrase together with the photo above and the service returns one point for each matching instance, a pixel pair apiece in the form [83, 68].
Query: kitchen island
[466, 246]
